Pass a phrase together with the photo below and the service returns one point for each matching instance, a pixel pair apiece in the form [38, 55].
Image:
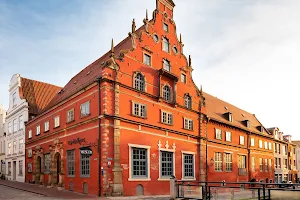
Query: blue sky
[244, 52]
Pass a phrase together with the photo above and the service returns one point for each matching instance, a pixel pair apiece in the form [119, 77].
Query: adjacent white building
[2, 140]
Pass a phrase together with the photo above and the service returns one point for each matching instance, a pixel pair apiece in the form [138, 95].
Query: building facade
[239, 147]
[25, 101]
[297, 143]
[2, 140]
[293, 172]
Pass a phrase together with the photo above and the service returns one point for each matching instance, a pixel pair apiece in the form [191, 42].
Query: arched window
[166, 45]
[167, 93]
[188, 101]
[139, 82]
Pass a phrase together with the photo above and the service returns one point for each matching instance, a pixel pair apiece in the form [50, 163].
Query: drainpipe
[99, 138]
[206, 156]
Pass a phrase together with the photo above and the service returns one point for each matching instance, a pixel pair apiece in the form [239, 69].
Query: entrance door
[57, 165]
[14, 170]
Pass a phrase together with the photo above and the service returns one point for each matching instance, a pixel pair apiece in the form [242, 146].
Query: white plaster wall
[298, 160]
[2, 139]
[14, 112]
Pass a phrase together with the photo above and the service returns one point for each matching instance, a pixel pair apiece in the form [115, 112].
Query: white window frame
[69, 119]
[168, 114]
[260, 143]
[56, 122]
[194, 165]
[148, 162]
[183, 78]
[228, 136]
[226, 161]
[242, 140]
[253, 164]
[215, 161]
[29, 134]
[38, 130]
[144, 60]
[46, 126]
[139, 109]
[188, 122]
[21, 122]
[218, 134]
[160, 178]
[21, 145]
[15, 125]
[252, 141]
[14, 99]
[266, 145]
[270, 146]
[81, 110]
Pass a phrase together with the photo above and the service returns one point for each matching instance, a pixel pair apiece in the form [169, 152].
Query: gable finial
[133, 26]
[147, 14]
[190, 61]
[180, 39]
[112, 53]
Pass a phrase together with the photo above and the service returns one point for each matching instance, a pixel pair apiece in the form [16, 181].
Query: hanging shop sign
[86, 151]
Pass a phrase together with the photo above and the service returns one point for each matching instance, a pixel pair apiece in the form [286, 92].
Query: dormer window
[260, 128]
[166, 45]
[230, 117]
[165, 27]
[247, 123]
[166, 65]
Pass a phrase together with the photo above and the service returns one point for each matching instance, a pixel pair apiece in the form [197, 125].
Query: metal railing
[232, 190]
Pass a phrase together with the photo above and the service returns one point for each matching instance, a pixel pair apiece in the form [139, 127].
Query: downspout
[99, 139]
[206, 156]
[199, 129]
[249, 158]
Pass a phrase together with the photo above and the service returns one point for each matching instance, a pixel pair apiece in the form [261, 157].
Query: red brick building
[239, 147]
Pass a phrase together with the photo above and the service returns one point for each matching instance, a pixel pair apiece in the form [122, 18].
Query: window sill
[139, 116]
[164, 179]
[84, 116]
[38, 135]
[30, 138]
[188, 129]
[139, 179]
[70, 121]
[166, 124]
[56, 127]
[71, 176]
[188, 179]
[46, 131]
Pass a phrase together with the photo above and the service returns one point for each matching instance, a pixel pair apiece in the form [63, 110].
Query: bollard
[173, 190]
[232, 194]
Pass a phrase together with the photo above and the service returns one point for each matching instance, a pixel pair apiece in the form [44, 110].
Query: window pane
[139, 162]
[188, 165]
[166, 164]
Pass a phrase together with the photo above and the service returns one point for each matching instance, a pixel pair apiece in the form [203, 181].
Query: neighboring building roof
[296, 142]
[37, 94]
[217, 108]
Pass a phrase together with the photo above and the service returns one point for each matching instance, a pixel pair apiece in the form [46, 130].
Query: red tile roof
[37, 94]
[217, 108]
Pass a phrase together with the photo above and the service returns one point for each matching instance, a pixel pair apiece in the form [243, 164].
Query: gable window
[188, 124]
[218, 134]
[139, 82]
[188, 166]
[21, 123]
[167, 164]
[228, 136]
[252, 142]
[56, 121]
[38, 130]
[155, 38]
[70, 115]
[165, 27]
[15, 127]
[147, 59]
[84, 165]
[9, 128]
[188, 101]
[218, 162]
[47, 163]
[139, 110]
[228, 162]
[46, 126]
[166, 65]
[71, 162]
[166, 45]
[14, 99]
[167, 93]
[166, 118]
[85, 109]
[29, 134]
[183, 78]
[242, 140]
[260, 144]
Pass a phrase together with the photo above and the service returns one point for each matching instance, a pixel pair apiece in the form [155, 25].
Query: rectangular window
[165, 27]
[21, 146]
[166, 65]
[218, 162]
[70, 115]
[261, 165]
[166, 45]
[85, 109]
[270, 146]
[84, 165]
[266, 145]
[21, 123]
[15, 128]
[9, 168]
[218, 134]
[228, 162]
[47, 163]
[279, 148]
[242, 140]
[56, 122]
[183, 78]
[260, 144]
[9, 128]
[46, 126]
[38, 130]
[147, 59]
[29, 134]
[188, 124]
[266, 165]
[188, 166]
[253, 164]
[20, 167]
[9, 148]
[228, 136]
[14, 99]
[139, 110]
[270, 164]
[166, 164]
[166, 118]
[285, 163]
[279, 163]
[242, 162]
[139, 162]
[15, 147]
[252, 142]
[71, 162]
